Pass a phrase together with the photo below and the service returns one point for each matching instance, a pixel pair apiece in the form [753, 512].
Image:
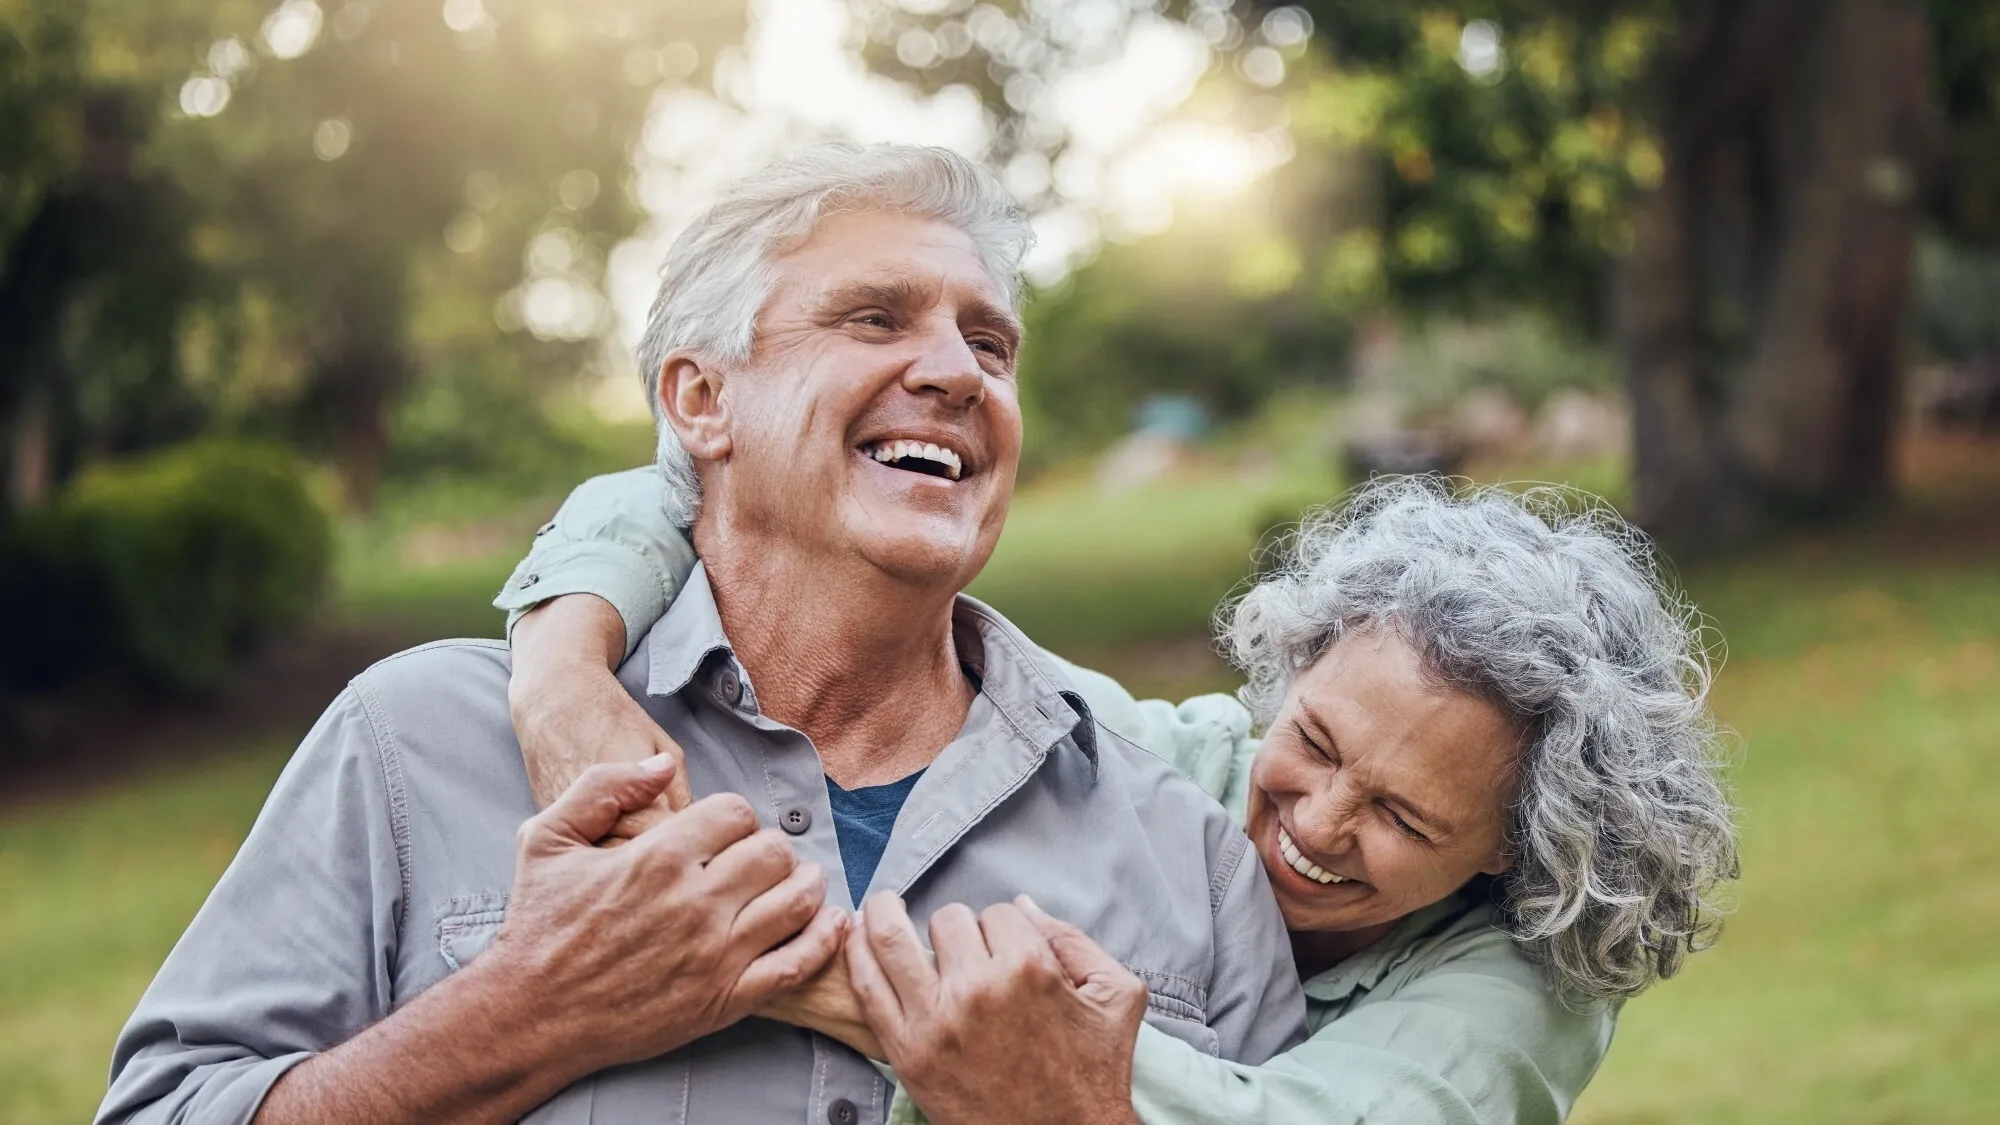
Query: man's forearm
[468, 1052]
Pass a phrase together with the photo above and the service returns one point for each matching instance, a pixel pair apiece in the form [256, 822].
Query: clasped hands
[659, 925]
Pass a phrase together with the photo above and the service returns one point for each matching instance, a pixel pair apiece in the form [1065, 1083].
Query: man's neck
[865, 666]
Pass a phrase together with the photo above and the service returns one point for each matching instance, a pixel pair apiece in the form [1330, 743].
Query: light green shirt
[1443, 1021]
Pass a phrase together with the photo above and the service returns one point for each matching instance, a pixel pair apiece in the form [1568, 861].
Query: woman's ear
[692, 399]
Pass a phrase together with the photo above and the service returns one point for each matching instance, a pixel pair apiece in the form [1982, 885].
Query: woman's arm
[611, 538]
[1463, 1047]
[1474, 1039]
[597, 578]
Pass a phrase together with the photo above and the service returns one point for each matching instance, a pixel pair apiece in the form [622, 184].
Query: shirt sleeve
[611, 538]
[1201, 737]
[1254, 1003]
[1460, 1045]
[290, 956]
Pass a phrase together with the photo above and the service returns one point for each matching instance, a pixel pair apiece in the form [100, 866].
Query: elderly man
[832, 361]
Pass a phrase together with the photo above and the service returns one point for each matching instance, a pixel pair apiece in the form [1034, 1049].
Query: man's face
[877, 415]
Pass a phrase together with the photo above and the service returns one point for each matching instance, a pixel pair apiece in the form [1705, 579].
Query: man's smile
[932, 459]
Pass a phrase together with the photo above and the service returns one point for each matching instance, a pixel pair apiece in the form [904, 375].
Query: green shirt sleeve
[1459, 1045]
[1474, 1040]
[1207, 737]
[611, 538]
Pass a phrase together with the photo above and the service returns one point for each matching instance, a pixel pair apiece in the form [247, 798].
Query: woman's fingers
[598, 798]
[1095, 973]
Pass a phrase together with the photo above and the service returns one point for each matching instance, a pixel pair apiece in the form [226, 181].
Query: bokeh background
[311, 312]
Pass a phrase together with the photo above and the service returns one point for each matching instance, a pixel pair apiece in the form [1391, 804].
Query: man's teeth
[1301, 864]
[889, 452]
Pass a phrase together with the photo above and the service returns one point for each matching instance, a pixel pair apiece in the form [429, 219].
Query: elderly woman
[1485, 788]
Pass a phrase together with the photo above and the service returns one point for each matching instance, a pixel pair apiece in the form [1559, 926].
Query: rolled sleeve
[292, 953]
[611, 538]
[1453, 1048]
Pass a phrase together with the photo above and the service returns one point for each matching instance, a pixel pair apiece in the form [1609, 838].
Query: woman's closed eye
[1325, 752]
[1404, 826]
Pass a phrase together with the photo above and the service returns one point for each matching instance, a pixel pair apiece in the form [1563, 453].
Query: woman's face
[1377, 791]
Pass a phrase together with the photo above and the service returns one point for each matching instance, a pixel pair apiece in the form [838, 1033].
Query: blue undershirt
[862, 820]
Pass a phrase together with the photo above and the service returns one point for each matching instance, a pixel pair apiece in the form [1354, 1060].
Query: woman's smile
[1288, 850]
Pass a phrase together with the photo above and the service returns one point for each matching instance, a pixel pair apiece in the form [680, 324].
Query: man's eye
[874, 320]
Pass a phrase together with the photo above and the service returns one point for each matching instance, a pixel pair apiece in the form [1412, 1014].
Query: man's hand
[683, 931]
[607, 956]
[1022, 1019]
[571, 713]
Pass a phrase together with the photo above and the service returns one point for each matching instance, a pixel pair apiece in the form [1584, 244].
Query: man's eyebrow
[992, 317]
[902, 292]
[895, 292]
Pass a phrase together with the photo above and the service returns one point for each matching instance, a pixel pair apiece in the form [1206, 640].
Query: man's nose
[946, 365]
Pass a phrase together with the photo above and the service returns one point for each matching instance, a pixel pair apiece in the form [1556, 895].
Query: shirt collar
[682, 639]
[1365, 970]
[1015, 677]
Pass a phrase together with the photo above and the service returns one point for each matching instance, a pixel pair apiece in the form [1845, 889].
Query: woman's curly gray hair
[1550, 604]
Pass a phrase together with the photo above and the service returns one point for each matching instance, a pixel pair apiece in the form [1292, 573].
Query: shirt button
[841, 1112]
[731, 686]
[796, 820]
[530, 580]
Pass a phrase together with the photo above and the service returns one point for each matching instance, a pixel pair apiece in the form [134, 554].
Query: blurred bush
[160, 571]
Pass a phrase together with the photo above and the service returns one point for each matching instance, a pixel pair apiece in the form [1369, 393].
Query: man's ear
[691, 396]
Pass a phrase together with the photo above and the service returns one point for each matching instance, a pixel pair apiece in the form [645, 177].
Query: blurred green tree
[338, 199]
[1728, 189]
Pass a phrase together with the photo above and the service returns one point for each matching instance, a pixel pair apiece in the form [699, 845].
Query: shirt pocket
[467, 925]
[655, 1090]
[1178, 1006]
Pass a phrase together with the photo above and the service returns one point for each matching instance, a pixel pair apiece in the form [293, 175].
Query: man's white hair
[718, 274]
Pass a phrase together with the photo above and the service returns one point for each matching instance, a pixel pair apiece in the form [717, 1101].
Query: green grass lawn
[1856, 984]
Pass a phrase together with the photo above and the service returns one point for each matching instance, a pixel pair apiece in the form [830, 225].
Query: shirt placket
[846, 1089]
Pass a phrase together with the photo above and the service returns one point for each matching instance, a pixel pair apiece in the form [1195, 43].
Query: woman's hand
[1022, 1019]
[827, 1004]
[571, 713]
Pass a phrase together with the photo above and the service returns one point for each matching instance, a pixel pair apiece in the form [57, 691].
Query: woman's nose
[1327, 820]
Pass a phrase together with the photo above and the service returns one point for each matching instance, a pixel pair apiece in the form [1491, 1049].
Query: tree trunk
[360, 383]
[32, 466]
[1763, 304]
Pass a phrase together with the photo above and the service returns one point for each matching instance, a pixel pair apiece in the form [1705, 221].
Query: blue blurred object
[1180, 417]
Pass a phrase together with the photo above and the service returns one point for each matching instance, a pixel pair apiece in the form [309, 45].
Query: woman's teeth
[1301, 864]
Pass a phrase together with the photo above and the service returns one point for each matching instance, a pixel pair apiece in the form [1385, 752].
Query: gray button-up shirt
[382, 862]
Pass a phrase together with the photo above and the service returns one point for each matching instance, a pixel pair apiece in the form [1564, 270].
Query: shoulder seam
[1235, 845]
[389, 758]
